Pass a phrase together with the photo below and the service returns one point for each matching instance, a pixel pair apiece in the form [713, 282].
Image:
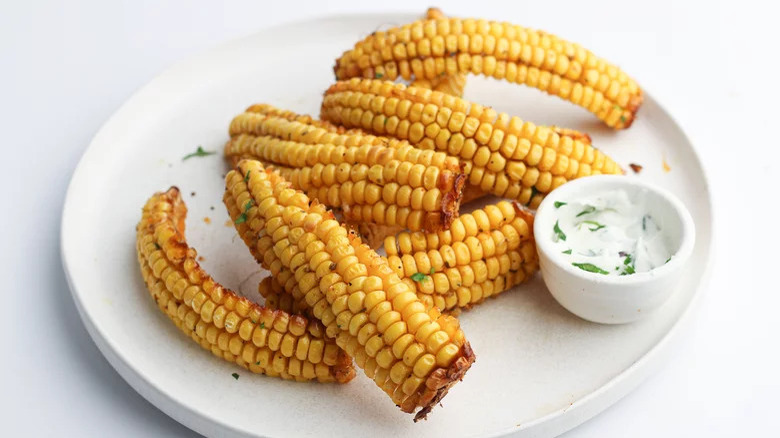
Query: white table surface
[66, 66]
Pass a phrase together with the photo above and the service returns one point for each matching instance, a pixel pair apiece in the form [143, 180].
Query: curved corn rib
[492, 246]
[373, 183]
[502, 155]
[413, 355]
[429, 48]
[261, 340]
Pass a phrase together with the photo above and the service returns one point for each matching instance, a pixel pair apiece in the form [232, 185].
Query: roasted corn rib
[428, 49]
[414, 355]
[484, 253]
[374, 183]
[271, 342]
[501, 154]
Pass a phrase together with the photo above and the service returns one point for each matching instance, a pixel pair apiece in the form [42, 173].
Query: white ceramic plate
[539, 369]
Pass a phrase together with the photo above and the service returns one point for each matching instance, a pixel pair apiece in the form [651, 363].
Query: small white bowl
[612, 299]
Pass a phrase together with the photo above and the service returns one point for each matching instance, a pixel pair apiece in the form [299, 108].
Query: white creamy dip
[610, 234]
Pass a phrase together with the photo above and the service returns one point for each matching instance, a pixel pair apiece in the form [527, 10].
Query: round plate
[539, 369]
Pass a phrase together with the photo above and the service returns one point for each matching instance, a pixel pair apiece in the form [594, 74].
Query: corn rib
[414, 355]
[430, 48]
[484, 253]
[394, 186]
[270, 342]
[501, 154]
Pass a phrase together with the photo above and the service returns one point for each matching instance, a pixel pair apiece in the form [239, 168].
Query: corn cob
[397, 185]
[429, 48]
[492, 244]
[501, 154]
[413, 355]
[261, 340]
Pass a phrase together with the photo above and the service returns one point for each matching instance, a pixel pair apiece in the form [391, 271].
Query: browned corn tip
[239, 330]
[502, 155]
[375, 317]
[426, 49]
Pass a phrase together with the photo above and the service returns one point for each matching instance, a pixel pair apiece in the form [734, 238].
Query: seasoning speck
[235, 376]
[228, 223]
[635, 167]
[192, 193]
[207, 220]
[666, 165]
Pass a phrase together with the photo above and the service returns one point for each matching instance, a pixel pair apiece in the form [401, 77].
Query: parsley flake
[200, 152]
[568, 251]
[246, 178]
[559, 204]
[378, 75]
[588, 210]
[262, 325]
[596, 226]
[559, 232]
[589, 267]
[242, 218]
[235, 376]
[418, 277]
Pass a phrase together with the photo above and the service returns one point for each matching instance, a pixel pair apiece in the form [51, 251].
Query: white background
[66, 66]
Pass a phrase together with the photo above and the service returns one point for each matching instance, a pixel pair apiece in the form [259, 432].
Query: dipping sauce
[610, 234]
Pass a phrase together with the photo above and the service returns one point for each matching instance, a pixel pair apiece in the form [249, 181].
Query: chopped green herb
[628, 260]
[242, 218]
[262, 325]
[596, 226]
[156, 245]
[257, 363]
[418, 277]
[568, 251]
[623, 119]
[246, 178]
[590, 268]
[628, 270]
[558, 232]
[432, 271]
[588, 210]
[199, 153]
[235, 376]
[667, 260]
[559, 204]
[378, 75]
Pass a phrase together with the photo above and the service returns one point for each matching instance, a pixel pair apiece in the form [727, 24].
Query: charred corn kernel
[230, 326]
[501, 50]
[528, 163]
[424, 187]
[325, 244]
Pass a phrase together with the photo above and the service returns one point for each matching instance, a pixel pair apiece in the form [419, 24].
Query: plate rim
[557, 422]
